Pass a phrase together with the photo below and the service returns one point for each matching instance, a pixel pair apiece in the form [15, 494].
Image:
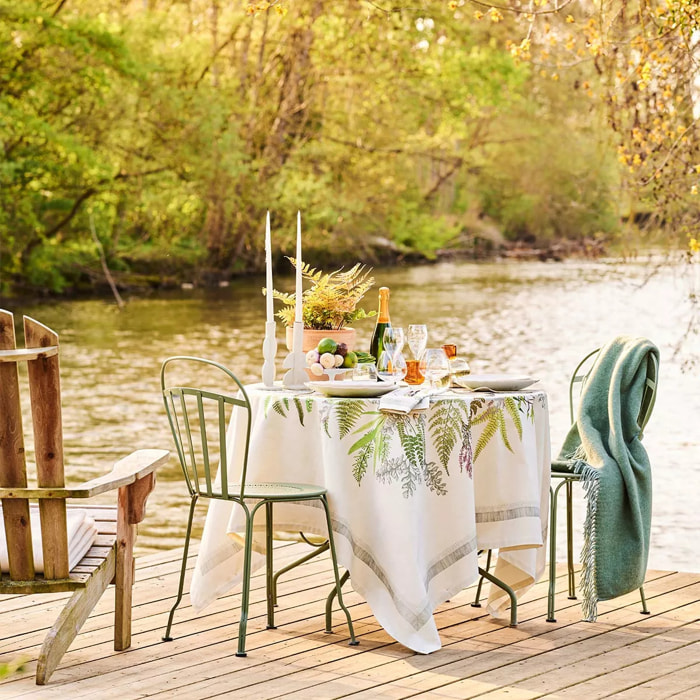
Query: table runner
[412, 498]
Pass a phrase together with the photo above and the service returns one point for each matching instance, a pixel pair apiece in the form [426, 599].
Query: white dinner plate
[352, 389]
[496, 382]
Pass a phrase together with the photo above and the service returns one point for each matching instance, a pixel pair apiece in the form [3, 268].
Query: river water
[534, 318]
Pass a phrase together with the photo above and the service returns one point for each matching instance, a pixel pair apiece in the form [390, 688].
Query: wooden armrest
[126, 471]
[27, 354]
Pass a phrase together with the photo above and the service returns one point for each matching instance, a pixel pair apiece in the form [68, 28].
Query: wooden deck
[624, 654]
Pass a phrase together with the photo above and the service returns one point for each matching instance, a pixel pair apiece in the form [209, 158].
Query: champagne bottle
[383, 322]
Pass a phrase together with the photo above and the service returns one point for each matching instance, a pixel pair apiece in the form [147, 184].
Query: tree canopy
[166, 128]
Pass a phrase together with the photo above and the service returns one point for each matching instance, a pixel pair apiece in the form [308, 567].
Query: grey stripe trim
[494, 516]
[415, 618]
[451, 557]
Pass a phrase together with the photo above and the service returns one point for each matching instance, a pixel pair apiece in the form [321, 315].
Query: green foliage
[177, 127]
[331, 301]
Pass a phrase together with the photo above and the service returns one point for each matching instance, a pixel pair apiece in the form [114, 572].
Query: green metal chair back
[583, 371]
[198, 420]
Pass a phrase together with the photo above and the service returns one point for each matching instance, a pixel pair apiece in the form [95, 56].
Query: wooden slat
[45, 396]
[13, 468]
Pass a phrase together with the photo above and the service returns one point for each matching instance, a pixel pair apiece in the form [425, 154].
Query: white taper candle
[268, 268]
[298, 291]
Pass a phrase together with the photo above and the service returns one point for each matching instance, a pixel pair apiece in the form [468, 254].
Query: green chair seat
[562, 467]
[285, 491]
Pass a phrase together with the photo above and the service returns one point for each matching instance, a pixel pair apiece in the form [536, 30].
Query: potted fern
[329, 305]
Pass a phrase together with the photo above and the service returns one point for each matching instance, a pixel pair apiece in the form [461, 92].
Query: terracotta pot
[312, 337]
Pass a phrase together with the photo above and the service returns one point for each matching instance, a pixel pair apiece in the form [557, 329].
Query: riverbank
[146, 277]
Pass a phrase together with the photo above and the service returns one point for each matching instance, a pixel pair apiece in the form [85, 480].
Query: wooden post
[132, 508]
[45, 395]
[13, 468]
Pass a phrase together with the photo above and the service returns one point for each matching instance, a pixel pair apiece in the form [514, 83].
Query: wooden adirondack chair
[110, 559]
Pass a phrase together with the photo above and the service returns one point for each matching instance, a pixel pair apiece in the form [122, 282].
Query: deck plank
[624, 652]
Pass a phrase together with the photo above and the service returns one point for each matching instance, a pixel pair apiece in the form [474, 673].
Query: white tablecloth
[412, 498]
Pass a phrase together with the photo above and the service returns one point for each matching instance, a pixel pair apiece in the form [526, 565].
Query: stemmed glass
[391, 368]
[417, 337]
[434, 366]
[393, 339]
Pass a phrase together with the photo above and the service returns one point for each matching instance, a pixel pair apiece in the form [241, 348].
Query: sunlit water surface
[535, 318]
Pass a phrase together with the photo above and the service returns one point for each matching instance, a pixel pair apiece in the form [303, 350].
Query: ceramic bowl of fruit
[329, 361]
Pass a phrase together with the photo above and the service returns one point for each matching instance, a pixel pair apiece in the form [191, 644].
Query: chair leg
[269, 579]
[245, 594]
[645, 609]
[570, 538]
[72, 618]
[353, 641]
[476, 603]
[329, 601]
[511, 594]
[183, 569]
[554, 495]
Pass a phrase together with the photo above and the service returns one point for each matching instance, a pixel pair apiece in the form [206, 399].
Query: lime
[327, 345]
[350, 359]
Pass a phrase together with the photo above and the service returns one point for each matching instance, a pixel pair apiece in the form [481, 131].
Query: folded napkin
[405, 400]
[82, 532]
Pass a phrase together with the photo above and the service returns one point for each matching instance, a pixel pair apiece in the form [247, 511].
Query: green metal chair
[198, 421]
[567, 479]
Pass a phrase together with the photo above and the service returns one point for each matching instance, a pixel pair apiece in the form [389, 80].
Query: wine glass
[399, 367]
[389, 341]
[394, 339]
[417, 337]
[384, 366]
[459, 371]
[391, 368]
[434, 366]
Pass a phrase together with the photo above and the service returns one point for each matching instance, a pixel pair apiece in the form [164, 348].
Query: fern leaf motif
[513, 410]
[412, 439]
[300, 409]
[503, 428]
[325, 412]
[359, 466]
[466, 455]
[488, 432]
[391, 470]
[410, 479]
[277, 407]
[445, 429]
[491, 409]
[347, 413]
[433, 478]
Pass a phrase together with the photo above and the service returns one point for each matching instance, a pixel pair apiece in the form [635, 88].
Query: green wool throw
[604, 447]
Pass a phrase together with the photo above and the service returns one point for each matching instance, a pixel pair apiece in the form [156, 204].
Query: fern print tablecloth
[413, 498]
